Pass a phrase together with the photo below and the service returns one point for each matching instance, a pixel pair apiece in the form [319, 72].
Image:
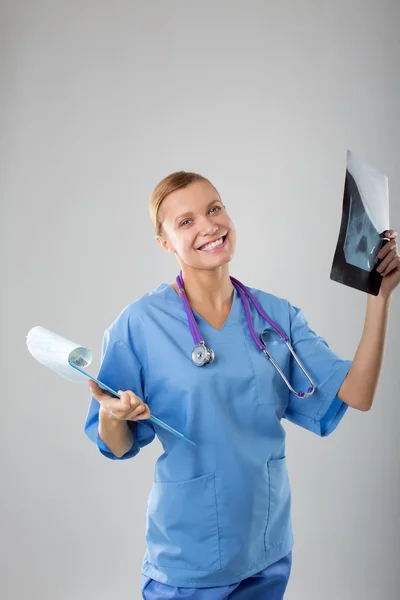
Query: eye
[185, 222]
[215, 208]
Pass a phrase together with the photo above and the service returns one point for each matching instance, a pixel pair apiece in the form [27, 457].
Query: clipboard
[68, 359]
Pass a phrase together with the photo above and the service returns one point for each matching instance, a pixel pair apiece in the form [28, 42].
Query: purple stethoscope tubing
[207, 355]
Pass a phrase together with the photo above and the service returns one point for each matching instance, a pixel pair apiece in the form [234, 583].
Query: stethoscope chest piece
[201, 355]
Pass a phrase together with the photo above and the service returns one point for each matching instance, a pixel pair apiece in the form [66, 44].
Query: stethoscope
[201, 355]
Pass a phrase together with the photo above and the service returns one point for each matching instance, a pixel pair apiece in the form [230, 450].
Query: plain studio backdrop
[99, 101]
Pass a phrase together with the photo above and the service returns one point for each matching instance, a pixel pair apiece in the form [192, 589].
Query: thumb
[94, 387]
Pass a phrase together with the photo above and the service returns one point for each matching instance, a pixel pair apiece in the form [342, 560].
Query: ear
[164, 243]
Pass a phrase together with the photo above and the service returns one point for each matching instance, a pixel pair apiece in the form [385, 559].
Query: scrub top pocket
[182, 524]
[279, 503]
[271, 389]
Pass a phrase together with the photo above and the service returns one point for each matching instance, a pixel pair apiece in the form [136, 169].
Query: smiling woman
[218, 518]
[192, 222]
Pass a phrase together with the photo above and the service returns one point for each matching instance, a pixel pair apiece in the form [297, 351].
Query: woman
[218, 515]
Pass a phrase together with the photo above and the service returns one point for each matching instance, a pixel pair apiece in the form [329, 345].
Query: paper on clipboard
[56, 353]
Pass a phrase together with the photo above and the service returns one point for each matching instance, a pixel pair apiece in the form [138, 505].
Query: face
[196, 227]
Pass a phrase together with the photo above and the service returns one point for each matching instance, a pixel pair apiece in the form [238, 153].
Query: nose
[208, 227]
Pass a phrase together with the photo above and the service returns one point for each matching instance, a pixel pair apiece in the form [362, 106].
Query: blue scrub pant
[269, 584]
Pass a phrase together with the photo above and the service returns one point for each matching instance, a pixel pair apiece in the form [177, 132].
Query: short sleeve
[121, 370]
[323, 410]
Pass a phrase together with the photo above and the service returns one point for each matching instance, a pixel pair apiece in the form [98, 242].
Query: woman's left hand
[390, 265]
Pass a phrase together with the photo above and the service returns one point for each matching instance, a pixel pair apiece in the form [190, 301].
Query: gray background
[101, 100]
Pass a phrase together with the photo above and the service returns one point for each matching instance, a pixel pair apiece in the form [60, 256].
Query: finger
[386, 249]
[390, 233]
[141, 412]
[134, 400]
[97, 389]
[146, 414]
[387, 260]
[98, 393]
[138, 410]
[93, 386]
[392, 266]
[125, 400]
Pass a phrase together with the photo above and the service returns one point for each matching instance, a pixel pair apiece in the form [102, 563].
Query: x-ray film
[365, 218]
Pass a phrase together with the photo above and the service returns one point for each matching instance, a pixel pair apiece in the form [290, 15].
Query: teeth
[212, 245]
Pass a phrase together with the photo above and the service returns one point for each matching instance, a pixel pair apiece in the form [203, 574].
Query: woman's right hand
[127, 408]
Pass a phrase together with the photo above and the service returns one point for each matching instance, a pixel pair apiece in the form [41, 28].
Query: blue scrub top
[219, 511]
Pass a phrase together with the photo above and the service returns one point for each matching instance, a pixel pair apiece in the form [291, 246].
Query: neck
[212, 287]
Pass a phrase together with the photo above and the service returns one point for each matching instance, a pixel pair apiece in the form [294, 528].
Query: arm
[359, 387]
[115, 433]
[120, 368]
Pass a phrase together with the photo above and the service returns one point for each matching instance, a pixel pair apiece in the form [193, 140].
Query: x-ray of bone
[365, 218]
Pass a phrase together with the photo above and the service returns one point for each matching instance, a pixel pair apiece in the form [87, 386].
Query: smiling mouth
[212, 245]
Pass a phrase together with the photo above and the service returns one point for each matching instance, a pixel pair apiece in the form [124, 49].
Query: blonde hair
[175, 181]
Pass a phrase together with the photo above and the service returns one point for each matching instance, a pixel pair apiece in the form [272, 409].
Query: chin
[215, 261]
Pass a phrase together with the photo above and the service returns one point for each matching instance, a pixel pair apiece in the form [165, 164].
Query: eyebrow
[186, 214]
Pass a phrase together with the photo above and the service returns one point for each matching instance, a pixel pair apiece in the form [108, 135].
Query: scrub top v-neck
[219, 511]
[202, 321]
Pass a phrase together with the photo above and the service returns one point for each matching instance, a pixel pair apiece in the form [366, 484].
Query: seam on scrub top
[137, 358]
[219, 536]
[129, 348]
[269, 508]
[181, 317]
[147, 376]
[146, 353]
[253, 371]
[122, 342]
